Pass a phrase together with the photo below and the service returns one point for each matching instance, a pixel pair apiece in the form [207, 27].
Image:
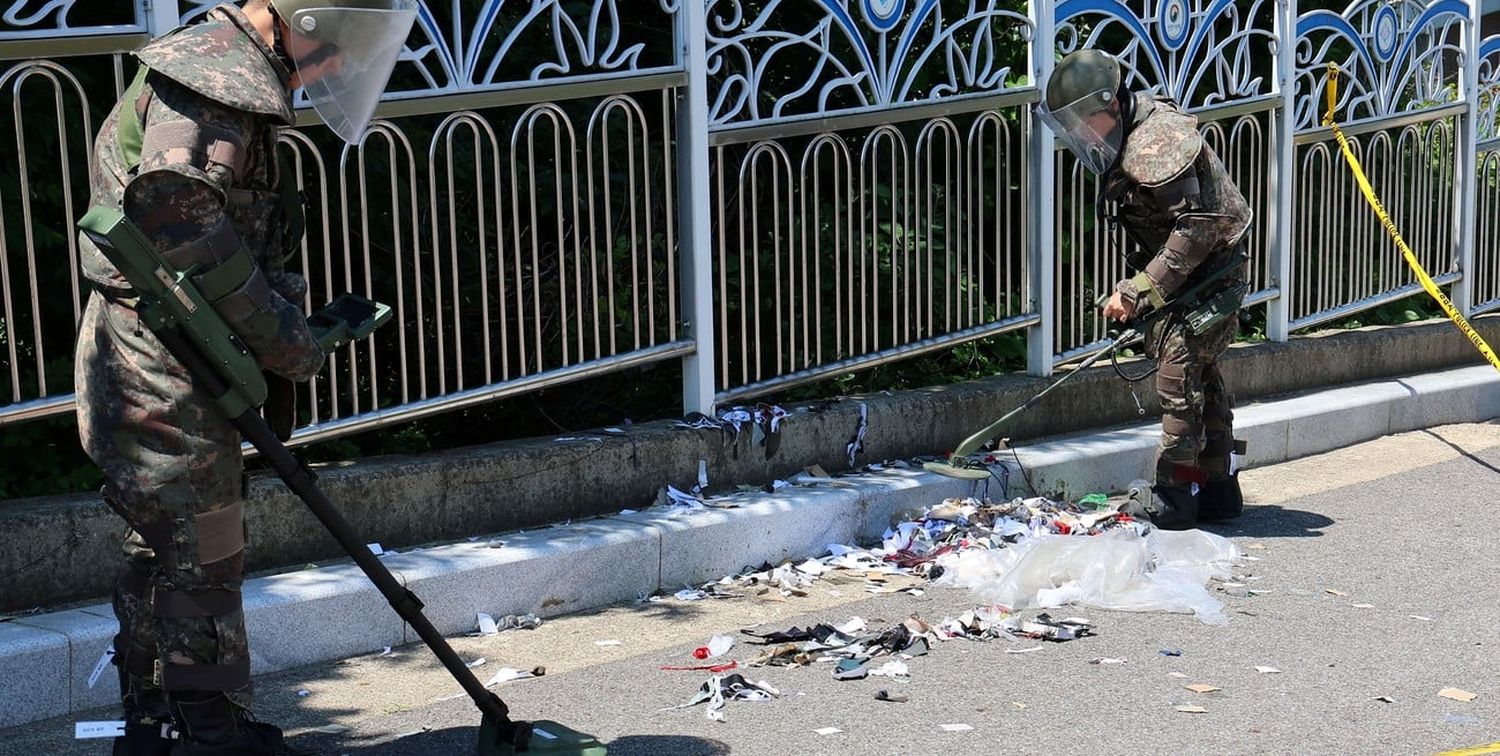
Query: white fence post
[694, 212]
[1465, 185]
[1042, 209]
[1283, 174]
[161, 16]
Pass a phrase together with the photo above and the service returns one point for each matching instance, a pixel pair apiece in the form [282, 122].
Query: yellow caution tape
[1475, 751]
[1390, 228]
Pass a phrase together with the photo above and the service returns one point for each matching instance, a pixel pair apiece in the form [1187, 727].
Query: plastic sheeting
[1121, 569]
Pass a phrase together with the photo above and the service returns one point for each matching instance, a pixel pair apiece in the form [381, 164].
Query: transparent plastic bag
[1120, 570]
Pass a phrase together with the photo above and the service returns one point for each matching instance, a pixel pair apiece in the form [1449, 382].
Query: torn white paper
[476, 663]
[959, 727]
[109, 653]
[375, 549]
[90, 730]
[827, 730]
[487, 624]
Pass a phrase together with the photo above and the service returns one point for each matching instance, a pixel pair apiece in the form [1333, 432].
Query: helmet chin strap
[277, 46]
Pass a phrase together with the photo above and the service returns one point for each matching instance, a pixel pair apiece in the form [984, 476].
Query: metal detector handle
[972, 443]
[303, 482]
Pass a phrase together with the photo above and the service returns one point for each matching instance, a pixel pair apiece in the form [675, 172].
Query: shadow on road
[462, 740]
[1471, 456]
[1272, 521]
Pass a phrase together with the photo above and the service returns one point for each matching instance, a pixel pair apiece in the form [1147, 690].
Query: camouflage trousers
[173, 472]
[1197, 424]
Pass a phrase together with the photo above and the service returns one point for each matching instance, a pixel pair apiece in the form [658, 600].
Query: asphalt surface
[1375, 573]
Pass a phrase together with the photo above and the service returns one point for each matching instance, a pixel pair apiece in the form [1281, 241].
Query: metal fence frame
[864, 57]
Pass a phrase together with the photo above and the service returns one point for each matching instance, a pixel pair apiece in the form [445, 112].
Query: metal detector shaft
[302, 482]
[972, 443]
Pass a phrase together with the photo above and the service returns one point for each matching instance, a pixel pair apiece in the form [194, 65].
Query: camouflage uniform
[205, 188]
[1187, 219]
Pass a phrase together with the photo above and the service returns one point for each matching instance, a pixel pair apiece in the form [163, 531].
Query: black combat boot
[1171, 506]
[147, 717]
[209, 724]
[1220, 499]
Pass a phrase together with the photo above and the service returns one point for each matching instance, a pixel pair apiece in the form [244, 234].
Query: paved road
[1403, 524]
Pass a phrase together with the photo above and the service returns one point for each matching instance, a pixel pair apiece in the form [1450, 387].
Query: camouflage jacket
[1177, 203]
[207, 182]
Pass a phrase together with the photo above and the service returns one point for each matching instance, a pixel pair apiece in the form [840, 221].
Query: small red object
[700, 652]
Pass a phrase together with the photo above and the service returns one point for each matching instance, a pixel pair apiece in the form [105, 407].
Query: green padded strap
[130, 132]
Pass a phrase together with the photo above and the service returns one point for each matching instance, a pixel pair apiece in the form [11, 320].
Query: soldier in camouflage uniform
[189, 155]
[1187, 220]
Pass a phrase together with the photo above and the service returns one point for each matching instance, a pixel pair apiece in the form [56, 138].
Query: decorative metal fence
[773, 191]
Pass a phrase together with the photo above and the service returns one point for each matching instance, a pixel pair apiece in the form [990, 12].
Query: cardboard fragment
[1458, 694]
[1192, 709]
[1202, 688]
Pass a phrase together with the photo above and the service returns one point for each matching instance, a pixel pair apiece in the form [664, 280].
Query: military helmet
[344, 52]
[1081, 106]
[1077, 75]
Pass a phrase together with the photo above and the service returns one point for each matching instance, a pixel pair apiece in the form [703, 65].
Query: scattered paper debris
[1267, 670]
[104, 660]
[1178, 675]
[957, 727]
[91, 730]
[1201, 688]
[1019, 705]
[1023, 650]
[487, 624]
[1256, 546]
[385, 651]
[507, 674]
[608, 643]
[1421, 618]
[375, 549]
[892, 669]
[1458, 694]
[627, 511]
[1333, 592]
[1363, 606]
[304, 693]
[1108, 660]
[690, 594]
[827, 731]
[476, 663]
[1192, 709]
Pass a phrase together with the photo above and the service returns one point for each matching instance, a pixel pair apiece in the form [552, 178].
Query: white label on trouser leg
[90, 730]
[109, 653]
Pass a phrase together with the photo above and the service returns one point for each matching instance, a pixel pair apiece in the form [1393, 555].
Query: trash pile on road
[1023, 554]
[1019, 555]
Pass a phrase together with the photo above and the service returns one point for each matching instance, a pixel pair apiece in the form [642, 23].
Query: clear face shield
[344, 57]
[1091, 127]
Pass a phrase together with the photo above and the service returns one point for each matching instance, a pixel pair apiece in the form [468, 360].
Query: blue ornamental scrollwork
[42, 18]
[1198, 52]
[769, 62]
[474, 47]
[1394, 57]
[1489, 89]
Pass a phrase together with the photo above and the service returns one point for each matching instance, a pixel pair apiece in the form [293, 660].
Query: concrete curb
[329, 613]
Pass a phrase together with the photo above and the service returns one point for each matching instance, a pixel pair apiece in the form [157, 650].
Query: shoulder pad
[221, 62]
[1161, 147]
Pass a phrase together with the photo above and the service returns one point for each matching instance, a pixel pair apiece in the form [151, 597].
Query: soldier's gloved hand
[280, 409]
[1119, 308]
[291, 286]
